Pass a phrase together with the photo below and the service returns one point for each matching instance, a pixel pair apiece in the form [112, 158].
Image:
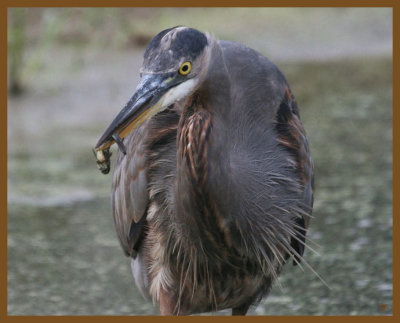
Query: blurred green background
[70, 70]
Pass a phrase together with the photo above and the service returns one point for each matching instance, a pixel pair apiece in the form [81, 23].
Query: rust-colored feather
[292, 136]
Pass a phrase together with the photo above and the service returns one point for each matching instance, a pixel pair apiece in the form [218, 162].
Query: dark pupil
[185, 68]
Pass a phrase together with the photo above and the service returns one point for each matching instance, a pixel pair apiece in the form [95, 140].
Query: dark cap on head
[170, 47]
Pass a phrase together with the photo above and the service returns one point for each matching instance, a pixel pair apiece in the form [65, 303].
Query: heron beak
[144, 104]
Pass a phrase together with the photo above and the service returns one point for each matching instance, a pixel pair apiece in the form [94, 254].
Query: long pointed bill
[143, 104]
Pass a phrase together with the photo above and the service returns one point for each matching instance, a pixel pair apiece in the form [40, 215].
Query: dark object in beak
[119, 142]
[139, 108]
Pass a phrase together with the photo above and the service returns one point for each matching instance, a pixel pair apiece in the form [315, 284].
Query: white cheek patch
[178, 92]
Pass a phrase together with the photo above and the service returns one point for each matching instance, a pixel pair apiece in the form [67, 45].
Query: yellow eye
[185, 68]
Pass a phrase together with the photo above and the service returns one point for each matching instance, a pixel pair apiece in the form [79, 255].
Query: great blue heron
[213, 184]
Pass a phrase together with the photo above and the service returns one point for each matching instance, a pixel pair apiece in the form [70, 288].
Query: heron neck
[202, 136]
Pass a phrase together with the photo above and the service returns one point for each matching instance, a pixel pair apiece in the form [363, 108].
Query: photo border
[179, 3]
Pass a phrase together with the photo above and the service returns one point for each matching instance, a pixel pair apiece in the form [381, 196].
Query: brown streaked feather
[193, 138]
[194, 135]
[292, 136]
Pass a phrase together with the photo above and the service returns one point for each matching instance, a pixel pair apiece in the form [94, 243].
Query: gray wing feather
[130, 196]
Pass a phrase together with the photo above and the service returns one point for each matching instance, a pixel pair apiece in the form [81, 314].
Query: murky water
[64, 257]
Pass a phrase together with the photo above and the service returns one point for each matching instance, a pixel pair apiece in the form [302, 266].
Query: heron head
[175, 64]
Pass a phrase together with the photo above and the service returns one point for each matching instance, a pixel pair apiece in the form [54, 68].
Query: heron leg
[167, 303]
[241, 310]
